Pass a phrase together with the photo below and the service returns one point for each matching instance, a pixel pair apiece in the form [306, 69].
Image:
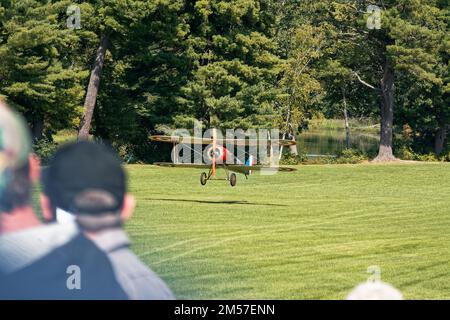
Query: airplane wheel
[232, 179]
[203, 178]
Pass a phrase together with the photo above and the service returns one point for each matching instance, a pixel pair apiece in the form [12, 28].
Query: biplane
[217, 154]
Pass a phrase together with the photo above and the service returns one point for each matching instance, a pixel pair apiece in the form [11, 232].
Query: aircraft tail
[250, 162]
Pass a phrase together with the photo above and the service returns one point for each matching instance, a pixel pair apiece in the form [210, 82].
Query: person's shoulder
[78, 259]
[53, 232]
[18, 249]
[140, 282]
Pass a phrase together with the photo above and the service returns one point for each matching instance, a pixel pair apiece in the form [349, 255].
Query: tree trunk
[37, 128]
[293, 149]
[347, 126]
[439, 141]
[92, 92]
[280, 155]
[387, 115]
[292, 136]
[287, 135]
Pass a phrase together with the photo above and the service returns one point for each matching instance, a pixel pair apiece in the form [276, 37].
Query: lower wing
[183, 165]
[246, 169]
[232, 167]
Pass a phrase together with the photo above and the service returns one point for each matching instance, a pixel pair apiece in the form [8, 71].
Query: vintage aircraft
[217, 154]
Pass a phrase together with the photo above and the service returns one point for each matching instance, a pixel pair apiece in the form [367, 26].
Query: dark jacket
[73, 271]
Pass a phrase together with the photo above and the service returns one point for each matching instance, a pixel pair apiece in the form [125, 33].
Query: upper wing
[232, 167]
[181, 139]
[206, 141]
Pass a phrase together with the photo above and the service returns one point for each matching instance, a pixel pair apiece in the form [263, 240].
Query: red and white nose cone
[220, 154]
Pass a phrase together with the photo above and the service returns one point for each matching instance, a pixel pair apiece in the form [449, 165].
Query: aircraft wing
[198, 140]
[245, 169]
[183, 165]
[232, 167]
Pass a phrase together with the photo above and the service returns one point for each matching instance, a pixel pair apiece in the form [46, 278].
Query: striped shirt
[137, 280]
[21, 250]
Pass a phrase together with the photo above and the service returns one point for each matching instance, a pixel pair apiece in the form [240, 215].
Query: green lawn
[307, 235]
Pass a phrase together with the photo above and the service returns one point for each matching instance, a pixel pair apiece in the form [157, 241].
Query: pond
[315, 142]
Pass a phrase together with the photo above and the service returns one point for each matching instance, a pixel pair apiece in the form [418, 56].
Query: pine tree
[420, 57]
[112, 21]
[235, 67]
[39, 74]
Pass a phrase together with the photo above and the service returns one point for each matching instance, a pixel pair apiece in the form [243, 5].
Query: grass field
[307, 235]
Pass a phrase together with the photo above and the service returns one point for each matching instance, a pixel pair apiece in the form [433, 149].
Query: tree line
[121, 69]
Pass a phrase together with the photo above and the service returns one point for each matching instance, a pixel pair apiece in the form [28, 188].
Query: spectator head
[375, 290]
[87, 180]
[18, 169]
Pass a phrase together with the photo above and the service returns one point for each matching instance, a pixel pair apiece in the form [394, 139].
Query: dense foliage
[230, 64]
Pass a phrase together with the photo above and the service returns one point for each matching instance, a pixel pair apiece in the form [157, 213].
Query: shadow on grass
[228, 202]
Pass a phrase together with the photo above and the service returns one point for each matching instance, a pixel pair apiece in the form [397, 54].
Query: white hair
[375, 290]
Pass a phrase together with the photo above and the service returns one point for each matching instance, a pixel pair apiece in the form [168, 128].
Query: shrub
[350, 156]
[446, 157]
[430, 157]
[406, 153]
[45, 149]
[322, 160]
[126, 154]
[289, 159]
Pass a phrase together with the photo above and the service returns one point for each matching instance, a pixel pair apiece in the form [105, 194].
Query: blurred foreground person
[375, 290]
[18, 172]
[39, 261]
[87, 180]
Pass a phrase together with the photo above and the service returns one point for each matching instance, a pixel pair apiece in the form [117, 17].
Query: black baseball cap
[81, 169]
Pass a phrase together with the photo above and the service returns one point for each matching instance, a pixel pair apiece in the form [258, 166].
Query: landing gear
[203, 178]
[232, 179]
